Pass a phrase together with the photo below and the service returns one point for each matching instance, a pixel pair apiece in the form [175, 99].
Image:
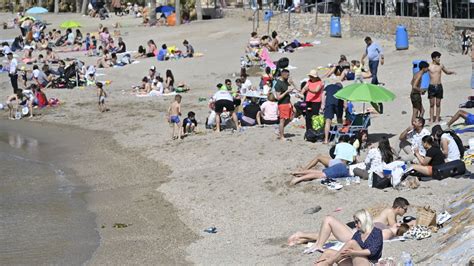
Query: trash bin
[425, 79]
[335, 27]
[401, 38]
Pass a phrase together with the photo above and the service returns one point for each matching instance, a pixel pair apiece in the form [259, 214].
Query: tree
[85, 3]
[178, 12]
[152, 13]
[198, 10]
[56, 6]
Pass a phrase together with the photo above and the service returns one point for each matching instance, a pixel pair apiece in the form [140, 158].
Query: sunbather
[333, 229]
[468, 118]
[363, 248]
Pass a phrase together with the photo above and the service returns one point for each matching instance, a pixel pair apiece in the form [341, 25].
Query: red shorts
[285, 110]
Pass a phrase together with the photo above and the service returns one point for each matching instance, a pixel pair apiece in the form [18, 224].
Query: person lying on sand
[333, 229]
[51, 56]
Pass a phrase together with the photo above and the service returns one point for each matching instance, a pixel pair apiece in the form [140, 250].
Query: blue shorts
[470, 119]
[336, 171]
[333, 109]
[174, 119]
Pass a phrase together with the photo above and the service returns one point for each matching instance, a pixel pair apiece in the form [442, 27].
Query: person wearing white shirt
[246, 84]
[13, 72]
[223, 99]
[5, 49]
[448, 145]
[410, 139]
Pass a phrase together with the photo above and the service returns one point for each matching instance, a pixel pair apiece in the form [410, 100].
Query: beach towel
[463, 128]
[265, 56]
[151, 94]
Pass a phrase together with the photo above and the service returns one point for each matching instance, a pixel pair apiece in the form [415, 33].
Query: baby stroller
[70, 78]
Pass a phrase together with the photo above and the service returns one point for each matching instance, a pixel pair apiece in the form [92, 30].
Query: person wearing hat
[313, 91]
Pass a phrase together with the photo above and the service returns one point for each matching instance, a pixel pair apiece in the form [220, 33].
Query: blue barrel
[425, 79]
[401, 38]
[335, 27]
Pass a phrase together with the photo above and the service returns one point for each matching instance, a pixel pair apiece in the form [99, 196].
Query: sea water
[43, 216]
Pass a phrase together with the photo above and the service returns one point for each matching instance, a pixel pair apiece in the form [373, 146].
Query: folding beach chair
[359, 122]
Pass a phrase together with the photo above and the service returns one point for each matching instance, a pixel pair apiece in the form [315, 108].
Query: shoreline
[118, 202]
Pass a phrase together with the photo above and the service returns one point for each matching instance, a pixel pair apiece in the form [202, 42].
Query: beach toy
[401, 38]
[25, 110]
[335, 27]
[108, 82]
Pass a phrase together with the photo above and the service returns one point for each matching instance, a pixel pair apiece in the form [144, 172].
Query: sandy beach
[170, 191]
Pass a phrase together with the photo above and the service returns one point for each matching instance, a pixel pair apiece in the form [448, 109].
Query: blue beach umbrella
[37, 10]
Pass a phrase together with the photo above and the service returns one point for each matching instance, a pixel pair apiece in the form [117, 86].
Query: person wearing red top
[313, 91]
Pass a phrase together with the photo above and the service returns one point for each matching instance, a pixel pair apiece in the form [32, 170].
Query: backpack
[311, 135]
[458, 141]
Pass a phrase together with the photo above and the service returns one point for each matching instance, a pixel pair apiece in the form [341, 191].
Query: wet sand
[112, 182]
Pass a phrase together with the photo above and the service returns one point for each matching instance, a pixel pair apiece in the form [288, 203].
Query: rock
[312, 210]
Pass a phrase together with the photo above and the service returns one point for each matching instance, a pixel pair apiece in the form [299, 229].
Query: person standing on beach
[435, 89]
[416, 91]
[285, 108]
[472, 75]
[174, 112]
[374, 53]
[13, 72]
[102, 95]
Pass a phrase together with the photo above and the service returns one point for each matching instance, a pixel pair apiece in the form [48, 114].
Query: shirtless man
[389, 216]
[416, 91]
[12, 109]
[435, 90]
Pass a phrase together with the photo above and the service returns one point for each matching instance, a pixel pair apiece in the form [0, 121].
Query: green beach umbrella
[365, 92]
[70, 24]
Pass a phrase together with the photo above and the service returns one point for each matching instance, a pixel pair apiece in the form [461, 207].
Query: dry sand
[236, 182]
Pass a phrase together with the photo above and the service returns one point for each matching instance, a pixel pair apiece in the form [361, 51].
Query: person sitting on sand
[411, 139]
[446, 142]
[433, 157]
[145, 87]
[51, 56]
[363, 248]
[189, 50]
[169, 81]
[339, 68]
[28, 56]
[122, 48]
[333, 229]
[190, 123]
[104, 37]
[468, 118]
[251, 116]
[253, 44]
[345, 154]
[182, 87]
[269, 111]
[162, 53]
[105, 61]
[274, 44]
[376, 160]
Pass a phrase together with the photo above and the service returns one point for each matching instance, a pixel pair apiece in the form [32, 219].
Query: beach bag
[425, 216]
[450, 169]
[418, 232]
[317, 122]
[380, 182]
[41, 98]
[311, 135]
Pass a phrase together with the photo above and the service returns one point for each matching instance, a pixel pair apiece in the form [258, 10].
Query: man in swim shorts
[173, 117]
[435, 89]
[468, 118]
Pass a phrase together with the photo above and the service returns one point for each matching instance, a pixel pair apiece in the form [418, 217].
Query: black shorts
[333, 109]
[435, 91]
[229, 106]
[416, 100]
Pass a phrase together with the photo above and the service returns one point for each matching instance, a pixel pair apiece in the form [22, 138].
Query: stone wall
[422, 32]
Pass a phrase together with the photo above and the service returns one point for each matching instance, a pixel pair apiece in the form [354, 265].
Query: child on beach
[102, 95]
[357, 69]
[174, 112]
[190, 123]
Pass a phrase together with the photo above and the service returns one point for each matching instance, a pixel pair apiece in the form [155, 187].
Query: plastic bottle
[371, 175]
[406, 259]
